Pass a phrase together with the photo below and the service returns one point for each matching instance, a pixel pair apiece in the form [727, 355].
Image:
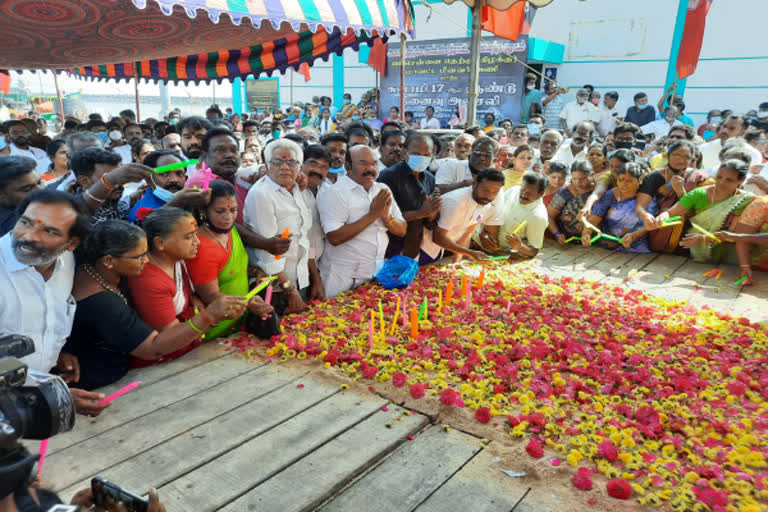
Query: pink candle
[43, 449]
[207, 178]
[405, 316]
[120, 392]
[370, 333]
[268, 298]
[509, 306]
[469, 294]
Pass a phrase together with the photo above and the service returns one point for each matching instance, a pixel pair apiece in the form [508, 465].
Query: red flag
[377, 58]
[5, 81]
[511, 23]
[304, 70]
[693, 35]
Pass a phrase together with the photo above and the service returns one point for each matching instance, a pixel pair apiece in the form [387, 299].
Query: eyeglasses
[293, 164]
[142, 256]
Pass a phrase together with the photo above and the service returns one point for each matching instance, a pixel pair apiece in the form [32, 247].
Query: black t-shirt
[409, 193]
[104, 333]
[651, 184]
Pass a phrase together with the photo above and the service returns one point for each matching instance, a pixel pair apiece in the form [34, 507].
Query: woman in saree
[521, 160]
[615, 215]
[666, 187]
[162, 292]
[598, 157]
[713, 208]
[750, 237]
[220, 266]
[563, 210]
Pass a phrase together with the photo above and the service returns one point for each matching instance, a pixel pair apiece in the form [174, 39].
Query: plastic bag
[397, 272]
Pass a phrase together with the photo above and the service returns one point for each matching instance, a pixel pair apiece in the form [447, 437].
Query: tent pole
[402, 75]
[58, 96]
[474, 63]
[136, 87]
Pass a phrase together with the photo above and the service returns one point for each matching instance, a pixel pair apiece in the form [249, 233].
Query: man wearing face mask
[413, 188]
[532, 97]
[642, 113]
[163, 186]
[575, 148]
[119, 143]
[336, 144]
[761, 123]
[577, 111]
[661, 127]
[453, 174]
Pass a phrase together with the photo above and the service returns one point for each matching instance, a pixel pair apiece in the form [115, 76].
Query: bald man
[356, 212]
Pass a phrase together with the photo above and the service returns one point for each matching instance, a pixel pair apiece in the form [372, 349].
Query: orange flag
[511, 23]
[377, 58]
[304, 70]
[5, 81]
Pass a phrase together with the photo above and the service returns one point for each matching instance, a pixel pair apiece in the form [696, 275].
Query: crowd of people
[93, 238]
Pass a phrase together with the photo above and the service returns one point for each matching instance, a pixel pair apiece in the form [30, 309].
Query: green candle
[261, 286]
[173, 167]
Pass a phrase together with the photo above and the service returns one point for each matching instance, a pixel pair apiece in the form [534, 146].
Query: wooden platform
[214, 432]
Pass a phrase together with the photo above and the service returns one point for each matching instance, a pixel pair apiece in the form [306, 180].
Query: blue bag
[397, 272]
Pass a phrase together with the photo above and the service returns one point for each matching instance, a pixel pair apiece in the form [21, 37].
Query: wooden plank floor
[214, 432]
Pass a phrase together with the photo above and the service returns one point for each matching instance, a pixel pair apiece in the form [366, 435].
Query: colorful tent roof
[58, 34]
[280, 54]
[503, 5]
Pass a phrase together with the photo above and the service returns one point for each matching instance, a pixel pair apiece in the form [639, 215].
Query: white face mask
[418, 163]
[115, 135]
[762, 114]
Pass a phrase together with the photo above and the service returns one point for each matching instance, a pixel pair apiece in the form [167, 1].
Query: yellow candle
[397, 312]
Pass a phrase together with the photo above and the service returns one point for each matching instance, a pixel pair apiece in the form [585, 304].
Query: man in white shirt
[356, 213]
[36, 274]
[317, 161]
[274, 204]
[132, 134]
[575, 148]
[609, 114]
[462, 146]
[461, 211]
[429, 122]
[19, 136]
[454, 173]
[336, 144]
[522, 204]
[660, 128]
[577, 111]
[550, 142]
[733, 126]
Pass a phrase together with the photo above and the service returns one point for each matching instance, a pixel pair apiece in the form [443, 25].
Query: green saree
[233, 280]
[715, 217]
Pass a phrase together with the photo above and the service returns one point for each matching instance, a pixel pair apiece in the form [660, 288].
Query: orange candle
[463, 285]
[480, 279]
[285, 234]
[449, 293]
[414, 323]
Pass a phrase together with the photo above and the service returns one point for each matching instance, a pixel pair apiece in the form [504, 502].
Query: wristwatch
[286, 286]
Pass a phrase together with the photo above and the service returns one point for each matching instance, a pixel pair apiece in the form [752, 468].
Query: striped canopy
[56, 34]
[503, 5]
[291, 51]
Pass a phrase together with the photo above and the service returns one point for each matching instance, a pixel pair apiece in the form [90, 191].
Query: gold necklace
[97, 277]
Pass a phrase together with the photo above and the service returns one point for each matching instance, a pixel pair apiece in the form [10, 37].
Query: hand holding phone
[107, 495]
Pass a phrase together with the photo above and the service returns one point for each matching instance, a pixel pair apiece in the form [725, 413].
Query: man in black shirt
[413, 188]
[642, 113]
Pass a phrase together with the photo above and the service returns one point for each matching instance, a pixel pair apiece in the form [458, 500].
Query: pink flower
[399, 379]
[534, 449]
[483, 415]
[448, 397]
[583, 479]
[608, 451]
[619, 488]
[417, 391]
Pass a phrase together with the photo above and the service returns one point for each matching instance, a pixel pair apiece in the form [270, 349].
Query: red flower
[736, 388]
[619, 488]
[483, 415]
[535, 449]
[583, 479]
[417, 391]
[331, 357]
[370, 372]
[448, 397]
[399, 379]
[608, 451]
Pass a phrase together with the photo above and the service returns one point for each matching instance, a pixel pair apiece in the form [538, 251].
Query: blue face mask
[534, 129]
[347, 101]
[336, 170]
[277, 134]
[643, 107]
[715, 119]
[162, 194]
[3, 143]
[708, 134]
[355, 118]
[103, 136]
[418, 163]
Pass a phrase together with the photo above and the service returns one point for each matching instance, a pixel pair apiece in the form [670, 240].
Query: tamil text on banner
[437, 75]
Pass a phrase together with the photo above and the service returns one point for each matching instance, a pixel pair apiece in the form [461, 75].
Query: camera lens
[40, 410]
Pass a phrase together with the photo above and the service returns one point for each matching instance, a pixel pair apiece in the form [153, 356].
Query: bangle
[193, 326]
[93, 198]
[205, 318]
[745, 266]
[555, 234]
[106, 184]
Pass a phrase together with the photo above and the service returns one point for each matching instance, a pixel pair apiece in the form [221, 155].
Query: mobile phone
[107, 495]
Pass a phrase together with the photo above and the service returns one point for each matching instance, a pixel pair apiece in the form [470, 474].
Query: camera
[33, 405]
